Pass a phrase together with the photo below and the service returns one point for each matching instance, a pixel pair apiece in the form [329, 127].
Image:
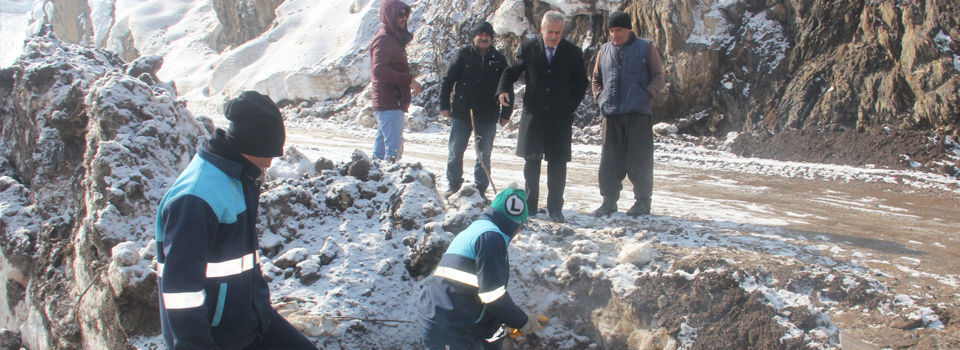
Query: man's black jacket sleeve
[450, 78]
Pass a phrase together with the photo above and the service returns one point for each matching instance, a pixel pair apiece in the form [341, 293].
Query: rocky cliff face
[779, 65]
[86, 150]
[243, 20]
[71, 21]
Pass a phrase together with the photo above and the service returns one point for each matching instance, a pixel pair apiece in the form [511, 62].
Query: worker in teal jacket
[212, 292]
[465, 302]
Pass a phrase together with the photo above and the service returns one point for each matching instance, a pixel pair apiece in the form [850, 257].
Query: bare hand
[504, 122]
[445, 114]
[504, 99]
[417, 88]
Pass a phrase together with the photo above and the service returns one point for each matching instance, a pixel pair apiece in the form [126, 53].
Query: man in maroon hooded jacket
[391, 79]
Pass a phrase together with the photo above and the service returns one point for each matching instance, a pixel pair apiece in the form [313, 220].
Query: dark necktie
[550, 54]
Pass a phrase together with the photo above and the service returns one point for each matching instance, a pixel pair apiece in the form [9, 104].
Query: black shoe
[605, 209]
[557, 216]
[639, 209]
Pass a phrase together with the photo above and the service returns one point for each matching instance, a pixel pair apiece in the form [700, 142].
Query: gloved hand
[533, 324]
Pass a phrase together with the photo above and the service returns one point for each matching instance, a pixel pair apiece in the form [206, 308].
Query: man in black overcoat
[556, 82]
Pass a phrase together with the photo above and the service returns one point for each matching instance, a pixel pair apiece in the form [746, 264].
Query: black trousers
[281, 335]
[627, 152]
[556, 182]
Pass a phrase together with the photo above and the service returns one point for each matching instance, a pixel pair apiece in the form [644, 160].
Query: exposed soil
[879, 147]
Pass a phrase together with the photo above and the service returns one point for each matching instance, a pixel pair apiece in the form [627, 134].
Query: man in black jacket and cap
[472, 75]
[556, 82]
[212, 291]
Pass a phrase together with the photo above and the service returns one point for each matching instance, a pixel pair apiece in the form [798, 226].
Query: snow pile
[711, 28]
[665, 128]
[133, 275]
[510, 18]
[915, 316]
[293, 164]
[635, 253]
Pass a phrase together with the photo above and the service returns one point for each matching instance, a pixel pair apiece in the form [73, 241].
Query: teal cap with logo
[512, 201]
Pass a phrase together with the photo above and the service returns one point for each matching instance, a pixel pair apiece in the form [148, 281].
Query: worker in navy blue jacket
[465, 302]
[212, 292]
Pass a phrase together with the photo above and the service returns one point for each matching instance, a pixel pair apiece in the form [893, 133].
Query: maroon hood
[388, 16]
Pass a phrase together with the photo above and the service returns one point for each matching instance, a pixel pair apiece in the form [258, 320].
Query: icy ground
[853, 228]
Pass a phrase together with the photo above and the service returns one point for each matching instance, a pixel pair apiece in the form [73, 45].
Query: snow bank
[510, 18]
[15, 16]
[316, 50]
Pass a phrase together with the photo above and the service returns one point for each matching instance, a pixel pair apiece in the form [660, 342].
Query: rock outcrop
[88, 152]
[71, 21]
[778, 65]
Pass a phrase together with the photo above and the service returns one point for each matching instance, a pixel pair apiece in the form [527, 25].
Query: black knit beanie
[256, 125]
[482, 27]
[619, 19]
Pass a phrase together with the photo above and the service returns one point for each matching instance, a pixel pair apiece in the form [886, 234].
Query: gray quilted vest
[623, 84]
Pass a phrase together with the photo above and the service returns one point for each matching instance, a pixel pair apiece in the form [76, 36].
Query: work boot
[451, 189]
[486, 201]
[605, 209]
[639, 208]
[557, 216]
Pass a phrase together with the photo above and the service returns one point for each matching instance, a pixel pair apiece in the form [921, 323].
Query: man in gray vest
[628, 75]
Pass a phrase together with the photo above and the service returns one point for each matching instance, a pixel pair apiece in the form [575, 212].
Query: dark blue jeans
[460, 131]
[443, 341]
